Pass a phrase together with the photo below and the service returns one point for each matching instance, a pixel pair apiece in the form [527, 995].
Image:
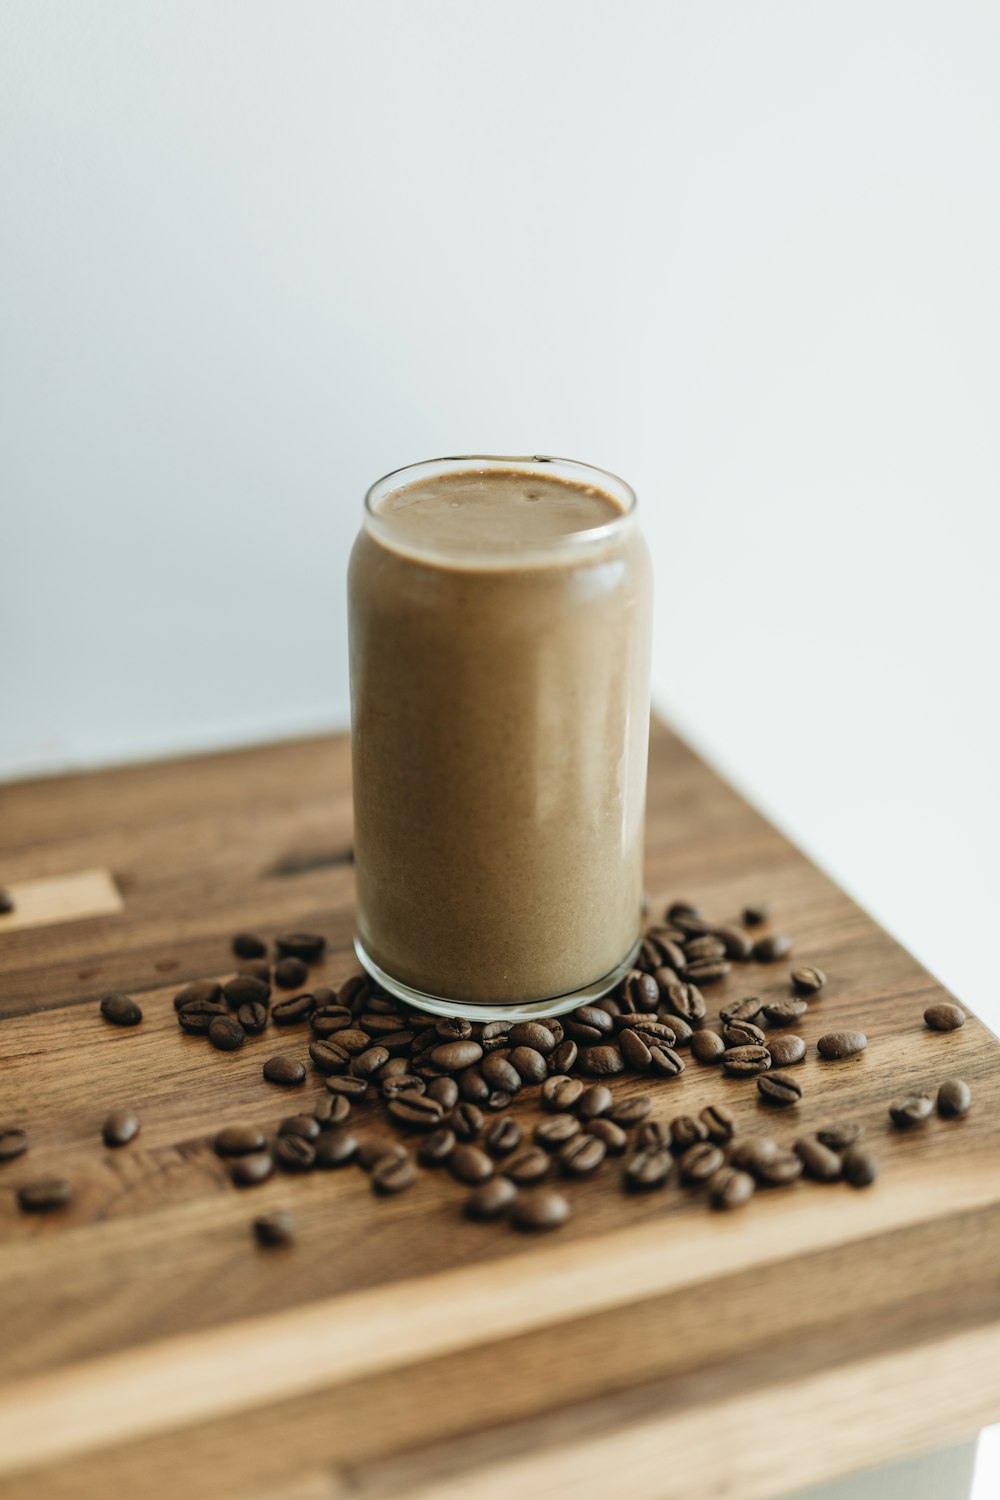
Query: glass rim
[570, 469]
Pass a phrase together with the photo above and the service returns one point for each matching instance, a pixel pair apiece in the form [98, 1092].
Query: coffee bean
[910, 1111]
[330, 1112]
[634, 1050]
[686, 1131]
[817, 1160]
[13, 1142]
[647, 1169]
[374, 1149]
[665, 1061]
[556, 1131]
[531, 1166]
[564, 1057]
[226, 1033]
[750, 1153]
[305, 1126]
[293, 1153]
[582, 1155]
[392, 1174]
[416, 1111]
[784, 1012]
[388, 1029]
[706, 1045]
[944, 1017]
[354, 992]
[594, 1101]
[329, 1056]
[466, 1120]
[838, 1137]
[666, 943]
[341, 1083]
[953, 1098]
[491, 1199]
[239, 1140]
[502, 1137]
[453, 1029]
[257, 968]
[368, 1063]
[473, 1086]
[649, 1029]
[44, 1196]
[767, 950]
[245, 990]
[307, 946]
[253, 1018]
[700, 1162]
[287, 1071]
[779, 1088]
[747, 1009]
[808, 981]
[640, 991]
[735, 944]
[755, 915]
[530, 1065]
[786, 1050]
[249, 945]
[613, 1136]
[6, 902]
[560, 1092]
[499, 1073]
[838, 1044]
[742, 1034]
[784, 1168]
[435, 1149]
[300, 1008]
[470, 1164]
[274, 1231]
[682, 910]
[533, 1034]
[587, 1024]
[707, 972]
[719, 1122]
[691, 924]
[499, 1099]
[859, 1166]
[540, 1211]
[655, 1135]
[452, 1057]
[395, 1085]
[704, 949]
[553, 1024]
[685, 1000]
[290, 973]
[204, 991]
[120, 1010]
[630, 1112]
[730, 1189]
[445, 1091]
[248, 1171]
[120, 1127]
[746, 1062]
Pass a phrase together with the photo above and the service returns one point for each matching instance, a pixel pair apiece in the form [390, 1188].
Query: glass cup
[500, 725]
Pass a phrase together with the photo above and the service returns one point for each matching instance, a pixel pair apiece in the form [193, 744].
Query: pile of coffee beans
[445, 1084]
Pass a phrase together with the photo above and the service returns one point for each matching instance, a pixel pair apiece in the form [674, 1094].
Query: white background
[253, 255]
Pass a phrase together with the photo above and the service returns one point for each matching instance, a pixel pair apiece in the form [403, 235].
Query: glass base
[524, 1010]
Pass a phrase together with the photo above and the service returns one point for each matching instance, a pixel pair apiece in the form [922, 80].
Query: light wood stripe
[62, 898]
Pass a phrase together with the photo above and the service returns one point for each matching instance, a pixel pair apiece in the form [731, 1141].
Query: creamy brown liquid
[500, 710]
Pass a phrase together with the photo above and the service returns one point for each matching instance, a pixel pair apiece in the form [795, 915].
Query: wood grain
[56, 899]
[143, 1335]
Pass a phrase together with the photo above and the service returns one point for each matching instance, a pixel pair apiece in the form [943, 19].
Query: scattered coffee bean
[707, 973]
[839, 1044]
[779, 1088]
[786, 1050]
[287, 1071]
[706, 1045]
[466, 1120]
[640, 991]
[196, 1016]
[767, 950]
[293, 1153]
[700, 1162]
[730, 1188]
[751, 1153]
[13, 1142]
[685, 1000]
[614, 1138]
[120, 1127]
[307, 946]
[435, 1149]
[705, 949]
[445, 1091]
[634, 1050]
[838, 1137]
[746, 1062]
[300, 1008]
[290, 973]
[756, 915]
[859, 1166]
[239, 1140]
[808, 981]
[742, 1034]
[416, 1111]
[248, 1171]
[784, 1168]
[944, 1017]
[328, 1056]
[911, 1111]
[666, 1062]
[473, 1086]
[257, 968]
[253, 1018]
[120, 1010]
[650, 1029]
[274, 1231]
[375, 1149]
[470, 1164]
[784, 1012]
[530, 1065]
[655, 1135]
[681, 910]
[327, 1020]
[249, 945]
[245, 989]
[582, 1155]
[540, 1211]
[226, 1033]
[587, 1024]
[647, 1169]
[747, 1009]
[331, 1111]
[452, 1057]
[686, 1131]
[392, 1174]
[630, 1112]
[491, 1199]
[682, 1031]
[502, 1137]
[394, 1085]
[719, 1122]
[306, 1126]
[207, 990]
[45, 1196]
[564, 1057]
[351, 1088]
[818, 1160]
[594, 1102]
[561, 1092]
[953, 1098]
[530, 1166]
[499, 1073]
[369, 1062]
[735, 943]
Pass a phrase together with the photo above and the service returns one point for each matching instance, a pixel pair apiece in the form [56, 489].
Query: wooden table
[650, 1349]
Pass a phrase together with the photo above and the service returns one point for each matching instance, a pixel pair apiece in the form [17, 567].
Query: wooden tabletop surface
[650, 1348]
